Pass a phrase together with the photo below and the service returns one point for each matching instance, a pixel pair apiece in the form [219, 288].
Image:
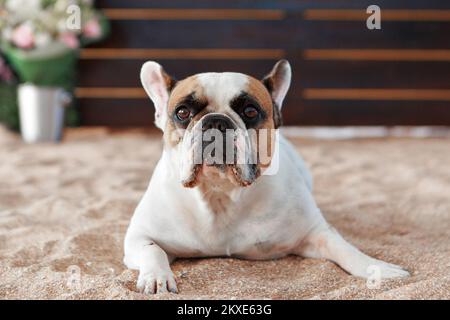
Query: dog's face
[221, 123]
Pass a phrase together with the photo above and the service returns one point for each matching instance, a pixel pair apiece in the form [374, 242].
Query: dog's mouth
[241, 176]
[218, 152]
[214, 170]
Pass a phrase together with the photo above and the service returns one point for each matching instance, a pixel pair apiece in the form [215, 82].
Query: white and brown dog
[205, 209]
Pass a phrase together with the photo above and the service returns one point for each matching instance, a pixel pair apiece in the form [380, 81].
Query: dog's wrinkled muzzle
[215, 141]
[218, 141]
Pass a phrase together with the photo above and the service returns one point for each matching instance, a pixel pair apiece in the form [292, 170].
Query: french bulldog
[199, 205]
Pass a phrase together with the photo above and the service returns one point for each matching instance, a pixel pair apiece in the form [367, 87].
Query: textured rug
[64, 210]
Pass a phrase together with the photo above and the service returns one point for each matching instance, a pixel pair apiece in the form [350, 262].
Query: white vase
[41, 112]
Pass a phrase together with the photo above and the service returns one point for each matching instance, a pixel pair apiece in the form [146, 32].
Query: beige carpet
[64, 210]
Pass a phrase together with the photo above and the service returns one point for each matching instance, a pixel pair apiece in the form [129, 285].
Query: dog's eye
[183, 113]
[250, 111]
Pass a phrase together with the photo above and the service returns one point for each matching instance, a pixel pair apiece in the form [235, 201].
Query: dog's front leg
[325, 242]
[153, 263]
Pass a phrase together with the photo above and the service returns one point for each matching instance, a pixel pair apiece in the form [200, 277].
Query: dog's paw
[156, 282]
[385, 270]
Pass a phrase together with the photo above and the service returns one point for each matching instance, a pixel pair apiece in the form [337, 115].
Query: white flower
[30, 24]
[7, 33]
[42, 39]
[62, 5]
[61, 25]
[24, 8]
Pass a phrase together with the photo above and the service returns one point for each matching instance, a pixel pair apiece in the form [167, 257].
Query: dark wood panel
[182, 53]
[106, 73]
[306, 74]
[373, 74]
[287, 34]
[203, 34]
[374, 94]
[193, 14]
[116, 112]
[354, 34]
[139, 112]
[419, 15]
[342, 113]
[271, 4]
[410, 55]
[290, 34]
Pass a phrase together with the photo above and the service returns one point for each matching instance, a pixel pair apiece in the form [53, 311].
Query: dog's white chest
[250, 239]
[250, 229]
[265, 220]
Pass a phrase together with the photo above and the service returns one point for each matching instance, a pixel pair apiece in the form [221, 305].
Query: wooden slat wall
[344, 74]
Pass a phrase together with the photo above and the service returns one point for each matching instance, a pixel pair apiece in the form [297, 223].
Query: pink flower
[70, 40]
[5, 72]
[92, 29]
[23, 37]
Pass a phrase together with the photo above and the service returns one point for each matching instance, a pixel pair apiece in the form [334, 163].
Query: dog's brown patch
[257, 90]
[188, 86]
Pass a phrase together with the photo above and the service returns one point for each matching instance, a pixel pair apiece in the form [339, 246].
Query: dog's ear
[277, 83]
[158, 84]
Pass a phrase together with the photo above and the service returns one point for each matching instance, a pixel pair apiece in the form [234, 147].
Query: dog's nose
[218, 122]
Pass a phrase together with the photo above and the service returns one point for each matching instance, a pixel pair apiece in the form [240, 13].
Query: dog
[244, 209]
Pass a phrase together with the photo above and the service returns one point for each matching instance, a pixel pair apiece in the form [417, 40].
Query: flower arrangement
[41, 39]
[40, 24]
